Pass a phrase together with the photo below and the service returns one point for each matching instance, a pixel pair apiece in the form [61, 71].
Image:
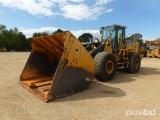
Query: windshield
[107, 32]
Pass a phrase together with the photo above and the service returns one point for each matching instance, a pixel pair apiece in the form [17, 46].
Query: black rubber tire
[101, 59]
[145, 54]
[134, 63]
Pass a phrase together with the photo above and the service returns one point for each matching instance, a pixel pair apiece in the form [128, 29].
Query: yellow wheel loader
[115, 51]
[138, 37]
[59, 65]
[153, 48]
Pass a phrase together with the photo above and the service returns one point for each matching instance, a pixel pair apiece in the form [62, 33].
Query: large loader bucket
[58, 66]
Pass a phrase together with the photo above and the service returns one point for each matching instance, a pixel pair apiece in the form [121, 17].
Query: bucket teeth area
[42, 84]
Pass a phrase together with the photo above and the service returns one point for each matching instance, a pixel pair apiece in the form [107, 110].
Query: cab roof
[116, 25]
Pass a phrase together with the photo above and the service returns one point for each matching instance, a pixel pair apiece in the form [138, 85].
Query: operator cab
[114, 33]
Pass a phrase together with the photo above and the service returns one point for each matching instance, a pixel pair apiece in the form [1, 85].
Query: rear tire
[134, 63]
[105, 66]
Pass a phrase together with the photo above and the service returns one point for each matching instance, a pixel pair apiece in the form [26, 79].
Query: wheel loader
[59, 65]
[114, 50]
[153, 48]
[138, 37]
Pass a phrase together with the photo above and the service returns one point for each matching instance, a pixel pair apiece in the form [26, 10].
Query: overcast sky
[80, 16]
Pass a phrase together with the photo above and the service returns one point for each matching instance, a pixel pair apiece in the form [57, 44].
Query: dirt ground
[127, 96]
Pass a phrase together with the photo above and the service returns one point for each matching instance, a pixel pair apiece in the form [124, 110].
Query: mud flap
[58, 66]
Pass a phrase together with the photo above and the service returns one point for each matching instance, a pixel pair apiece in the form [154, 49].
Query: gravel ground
[127, 96]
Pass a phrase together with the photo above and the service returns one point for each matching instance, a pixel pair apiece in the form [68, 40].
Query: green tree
[39, 34]
[21, 42]
[29, 40]
[58, 31]
[85, 37]
[2, 29]
[13, 39]
[35, 34]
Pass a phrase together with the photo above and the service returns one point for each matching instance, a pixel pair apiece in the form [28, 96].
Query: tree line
[12, 39]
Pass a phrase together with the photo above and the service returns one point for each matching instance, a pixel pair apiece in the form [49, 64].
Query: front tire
[134, 63]
[105, 66]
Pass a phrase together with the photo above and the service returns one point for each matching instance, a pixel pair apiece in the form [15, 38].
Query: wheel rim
[109, 67]
[136, 63]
